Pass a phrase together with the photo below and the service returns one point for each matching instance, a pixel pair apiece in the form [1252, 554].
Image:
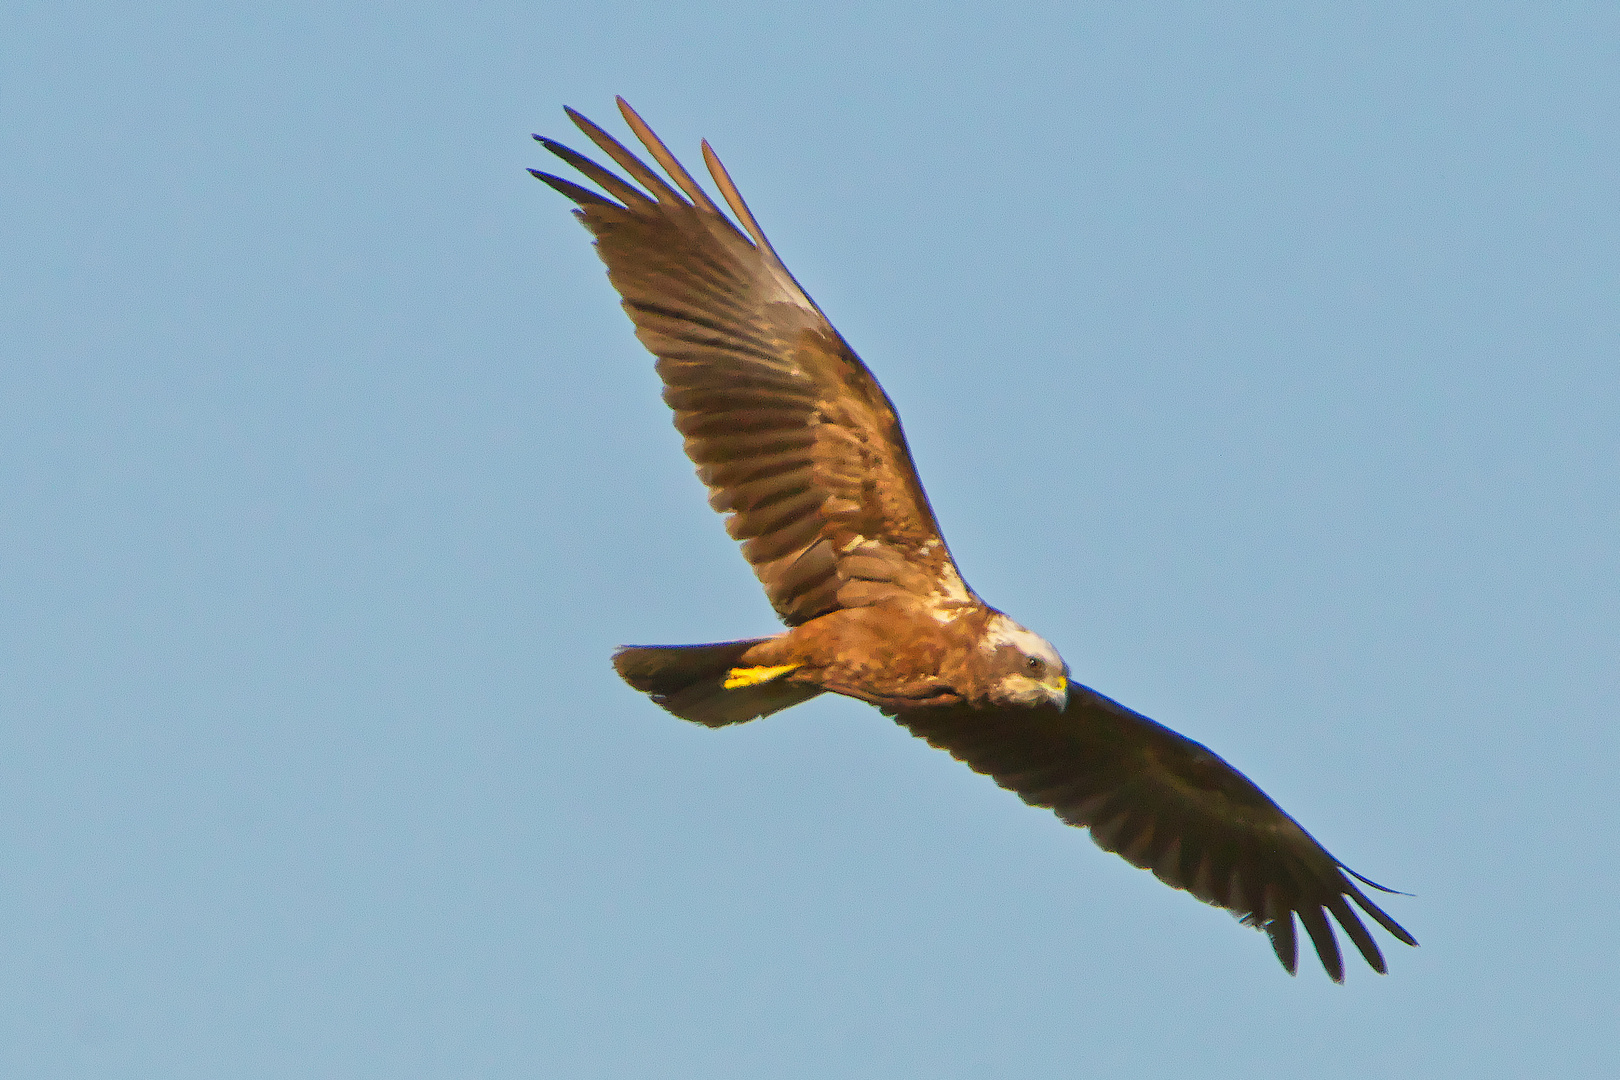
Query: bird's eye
[1035, 665]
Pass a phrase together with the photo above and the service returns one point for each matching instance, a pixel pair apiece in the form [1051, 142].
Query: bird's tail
[703, 683]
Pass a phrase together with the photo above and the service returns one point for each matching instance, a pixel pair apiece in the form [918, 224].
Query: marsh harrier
[803, 451]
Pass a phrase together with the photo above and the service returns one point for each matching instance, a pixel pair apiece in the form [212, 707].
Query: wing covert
[794, 438]
[1170, 805]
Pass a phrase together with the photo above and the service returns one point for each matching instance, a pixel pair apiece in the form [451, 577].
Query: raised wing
[1170, 805]
[789, 430]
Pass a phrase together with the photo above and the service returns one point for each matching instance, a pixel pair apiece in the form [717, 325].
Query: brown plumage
[1166, 804]
[802, 449]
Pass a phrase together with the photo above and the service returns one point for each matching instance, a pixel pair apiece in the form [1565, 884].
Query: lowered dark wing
[1167, 804]
[792, 435]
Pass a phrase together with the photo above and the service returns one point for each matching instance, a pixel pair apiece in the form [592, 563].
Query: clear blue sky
[1265, 358]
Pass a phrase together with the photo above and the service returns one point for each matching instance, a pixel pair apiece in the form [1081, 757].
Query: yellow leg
[739, 677]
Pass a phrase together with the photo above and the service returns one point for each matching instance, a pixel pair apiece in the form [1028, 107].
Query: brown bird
[803, 450]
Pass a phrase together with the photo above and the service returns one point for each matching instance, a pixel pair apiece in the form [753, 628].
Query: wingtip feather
[581, 195]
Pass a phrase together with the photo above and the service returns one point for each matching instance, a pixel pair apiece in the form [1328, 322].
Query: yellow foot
[739, 677]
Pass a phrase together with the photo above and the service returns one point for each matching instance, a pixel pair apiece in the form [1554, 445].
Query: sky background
[1264, 358]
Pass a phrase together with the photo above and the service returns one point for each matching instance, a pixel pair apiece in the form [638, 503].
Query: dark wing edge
[794, 438]
[1170, 805]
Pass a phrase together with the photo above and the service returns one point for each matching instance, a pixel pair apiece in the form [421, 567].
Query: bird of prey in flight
[803, 451]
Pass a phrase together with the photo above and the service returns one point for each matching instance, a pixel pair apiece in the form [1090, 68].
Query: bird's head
[1023, 667]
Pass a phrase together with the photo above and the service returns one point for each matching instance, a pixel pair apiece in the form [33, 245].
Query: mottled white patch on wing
[950, 597]
[952, 587]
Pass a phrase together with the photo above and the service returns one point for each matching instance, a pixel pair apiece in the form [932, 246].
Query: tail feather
[689, 681]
